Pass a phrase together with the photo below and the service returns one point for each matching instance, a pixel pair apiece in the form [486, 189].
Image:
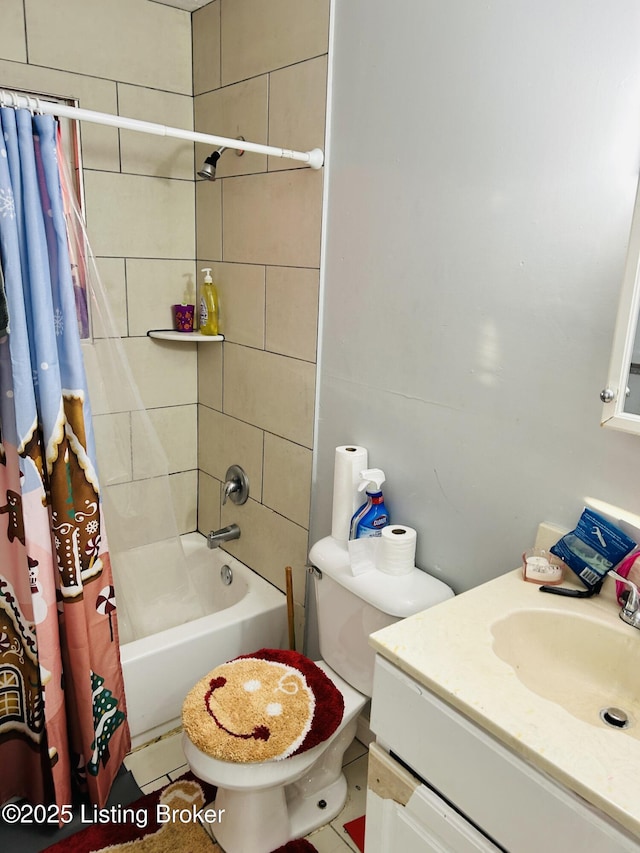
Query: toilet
[268, 803]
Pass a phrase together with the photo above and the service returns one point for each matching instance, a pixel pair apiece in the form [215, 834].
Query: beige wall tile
[292, 311]
[140, 217]
[239, 110]
[105, 367]
[268, 543]
[287, 478]
[210, 453]
[153, 510]
[224, 441]
[100, 146]
[12, 35]
[153, 286]
[210, 361]
[130, 40]
[269, 222]
[241, 290]
[158, 156]
[208, 219]
[208, 503]
[297, 107]
[164, 371]
[205, 24]
[176, 431]
[184, 490]
[258, 36]
[273, 218]
[109, 315]
[113, 448]
[271, 391]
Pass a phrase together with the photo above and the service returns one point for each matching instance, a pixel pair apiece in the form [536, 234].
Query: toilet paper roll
[349, 461]
[397, 551]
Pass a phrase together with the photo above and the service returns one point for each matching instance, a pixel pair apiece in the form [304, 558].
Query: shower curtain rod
[314, 158]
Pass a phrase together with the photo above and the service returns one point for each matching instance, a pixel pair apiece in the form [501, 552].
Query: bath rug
[355, 829]
[135, 828]
[34, 837]
[269, 705]
[125, 833]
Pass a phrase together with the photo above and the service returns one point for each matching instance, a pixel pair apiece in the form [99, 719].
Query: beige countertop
[450, 649]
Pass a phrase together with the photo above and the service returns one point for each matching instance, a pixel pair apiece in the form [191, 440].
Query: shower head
[208, 169]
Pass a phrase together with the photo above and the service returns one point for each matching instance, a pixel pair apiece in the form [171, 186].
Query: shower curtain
[62, 707]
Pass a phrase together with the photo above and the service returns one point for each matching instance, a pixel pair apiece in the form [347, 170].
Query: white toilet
[269, 803]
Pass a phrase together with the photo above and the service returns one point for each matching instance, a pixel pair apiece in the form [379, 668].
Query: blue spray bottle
[372, 515]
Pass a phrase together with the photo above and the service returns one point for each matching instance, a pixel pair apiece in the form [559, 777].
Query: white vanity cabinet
[467, 792]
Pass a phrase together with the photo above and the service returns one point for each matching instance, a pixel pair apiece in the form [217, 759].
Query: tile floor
[159, 763]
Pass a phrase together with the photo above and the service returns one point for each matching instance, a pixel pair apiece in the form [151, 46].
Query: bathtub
[159, 670]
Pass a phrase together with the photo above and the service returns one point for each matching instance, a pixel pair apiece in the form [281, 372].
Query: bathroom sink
[534, 672]
[584, 665]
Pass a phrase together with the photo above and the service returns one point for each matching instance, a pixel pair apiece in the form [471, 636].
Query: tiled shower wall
[258, 70]
[129, 57]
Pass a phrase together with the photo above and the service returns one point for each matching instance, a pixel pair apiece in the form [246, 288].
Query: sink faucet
[217, 537]
[630, 612]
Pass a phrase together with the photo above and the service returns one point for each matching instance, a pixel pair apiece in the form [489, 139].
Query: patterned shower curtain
[62, 705]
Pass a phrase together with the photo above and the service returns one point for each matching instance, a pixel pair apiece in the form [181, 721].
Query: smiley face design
[250, 710]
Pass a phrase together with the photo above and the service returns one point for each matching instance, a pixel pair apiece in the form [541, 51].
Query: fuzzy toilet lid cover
[268, 705]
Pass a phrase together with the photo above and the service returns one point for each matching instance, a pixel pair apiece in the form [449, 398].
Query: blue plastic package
[593, 548]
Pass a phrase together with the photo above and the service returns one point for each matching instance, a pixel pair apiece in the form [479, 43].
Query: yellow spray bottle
[209, 306]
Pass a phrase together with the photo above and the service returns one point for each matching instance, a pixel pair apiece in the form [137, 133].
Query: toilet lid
[268, 705]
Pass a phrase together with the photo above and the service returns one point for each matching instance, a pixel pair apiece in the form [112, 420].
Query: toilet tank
[350, 607]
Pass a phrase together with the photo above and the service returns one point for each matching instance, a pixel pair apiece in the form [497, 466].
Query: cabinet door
[512, 801]
[403, 814]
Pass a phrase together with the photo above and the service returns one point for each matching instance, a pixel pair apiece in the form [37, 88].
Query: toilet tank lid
[396, 595]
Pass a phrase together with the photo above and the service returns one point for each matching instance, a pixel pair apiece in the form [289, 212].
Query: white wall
[482, 166]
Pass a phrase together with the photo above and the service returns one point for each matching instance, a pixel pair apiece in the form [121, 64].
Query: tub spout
[217, 537]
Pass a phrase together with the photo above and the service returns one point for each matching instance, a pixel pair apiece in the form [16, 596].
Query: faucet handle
[630, 612]
[236, 485]
[230, 487]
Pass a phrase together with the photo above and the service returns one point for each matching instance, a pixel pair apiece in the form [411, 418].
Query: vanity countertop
[450, 650]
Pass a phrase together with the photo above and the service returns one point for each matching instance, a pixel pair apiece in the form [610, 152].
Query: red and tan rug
[165, 821]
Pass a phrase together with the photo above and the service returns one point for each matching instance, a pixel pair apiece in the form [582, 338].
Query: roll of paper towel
[397, 550]
[349, 461]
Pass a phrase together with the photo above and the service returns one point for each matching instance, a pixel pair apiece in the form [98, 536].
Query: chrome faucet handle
[630, 612]
[236, 485]
[230, 487]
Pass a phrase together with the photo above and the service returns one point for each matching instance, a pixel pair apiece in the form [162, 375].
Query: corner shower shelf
[185, 337]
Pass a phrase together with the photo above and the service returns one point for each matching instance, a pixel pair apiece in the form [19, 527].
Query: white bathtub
[159, 670]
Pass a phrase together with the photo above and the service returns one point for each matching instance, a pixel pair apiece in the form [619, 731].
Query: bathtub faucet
[216, 537]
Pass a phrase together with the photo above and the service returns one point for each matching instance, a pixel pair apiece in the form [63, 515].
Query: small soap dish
[542, 567]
